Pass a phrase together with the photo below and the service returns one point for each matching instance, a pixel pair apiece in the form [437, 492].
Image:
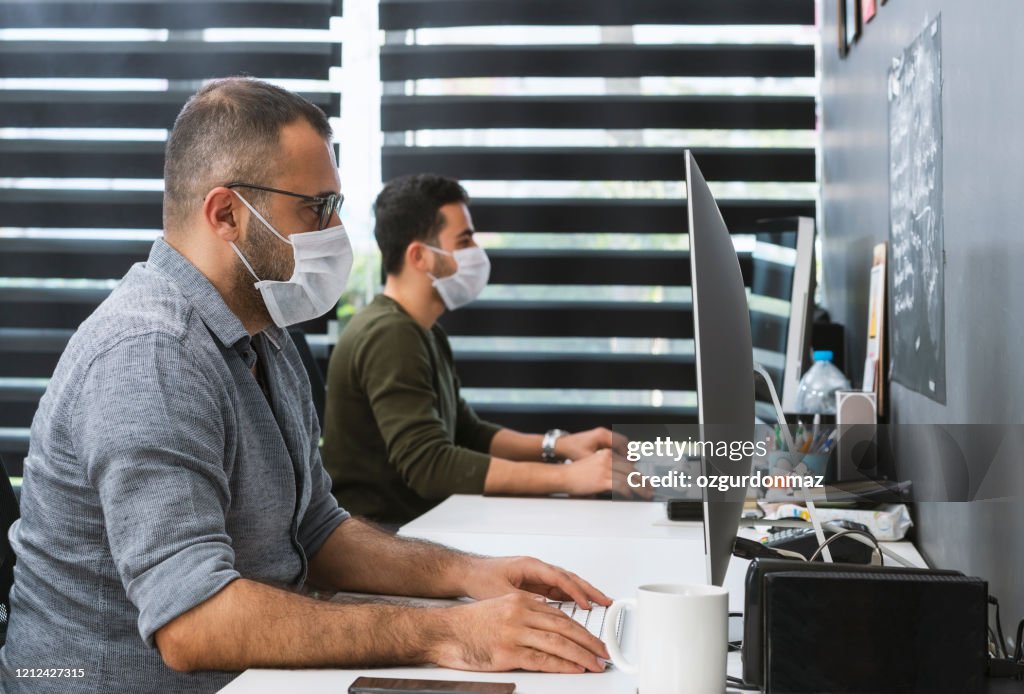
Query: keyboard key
[592, 620]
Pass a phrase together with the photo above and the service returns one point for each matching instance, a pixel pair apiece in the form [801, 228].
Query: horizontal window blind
[88, 92]
[567, 123]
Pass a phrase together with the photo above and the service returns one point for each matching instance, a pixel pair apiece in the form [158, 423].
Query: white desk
[462, 516]
[615, 545]
[338, 681]
[550, 516]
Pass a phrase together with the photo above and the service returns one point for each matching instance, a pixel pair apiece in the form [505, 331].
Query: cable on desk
[993, 643]
[1001, 642]
[895, 556]
[1018, 649]
[1000, 664]
[846, 533]
[745, 548]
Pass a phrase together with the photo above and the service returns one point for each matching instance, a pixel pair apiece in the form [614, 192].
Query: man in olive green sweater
[398, 436]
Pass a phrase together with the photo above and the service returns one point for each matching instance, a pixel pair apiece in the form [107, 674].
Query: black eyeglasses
[329, 204]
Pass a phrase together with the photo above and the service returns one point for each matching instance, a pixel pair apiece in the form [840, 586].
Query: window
[88, 92]
[567, 125]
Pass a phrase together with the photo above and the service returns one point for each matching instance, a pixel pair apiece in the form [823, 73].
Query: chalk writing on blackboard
[917, 301]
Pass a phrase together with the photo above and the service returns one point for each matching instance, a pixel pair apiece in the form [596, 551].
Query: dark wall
[983, 134]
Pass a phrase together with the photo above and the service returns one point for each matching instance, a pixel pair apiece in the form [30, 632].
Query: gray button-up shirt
[158, 473]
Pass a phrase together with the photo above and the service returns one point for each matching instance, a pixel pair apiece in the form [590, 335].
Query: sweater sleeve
[470, 431]
[473, 432]
[394, 369]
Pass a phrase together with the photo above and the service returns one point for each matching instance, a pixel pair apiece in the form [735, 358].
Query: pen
[828, 444]
[819, 439]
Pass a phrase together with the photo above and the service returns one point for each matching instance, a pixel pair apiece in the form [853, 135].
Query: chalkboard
[916, 275]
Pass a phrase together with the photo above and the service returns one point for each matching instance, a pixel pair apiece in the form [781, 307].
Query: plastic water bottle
[817, 391]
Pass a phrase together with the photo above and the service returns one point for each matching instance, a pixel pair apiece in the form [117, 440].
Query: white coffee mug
[682, 638]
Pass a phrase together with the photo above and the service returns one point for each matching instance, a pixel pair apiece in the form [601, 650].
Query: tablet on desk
[395, 685]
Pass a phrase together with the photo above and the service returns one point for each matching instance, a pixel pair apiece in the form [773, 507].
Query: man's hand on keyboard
[602, 472]
[515, 631]
[490, 577]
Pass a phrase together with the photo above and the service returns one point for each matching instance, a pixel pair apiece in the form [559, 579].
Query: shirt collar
[205, 298]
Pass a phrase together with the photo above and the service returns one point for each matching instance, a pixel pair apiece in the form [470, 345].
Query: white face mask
[470, 278]
[323, 260]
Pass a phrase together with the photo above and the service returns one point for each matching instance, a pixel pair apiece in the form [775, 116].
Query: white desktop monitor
[782, 278]
[724, 358]
[800, 313]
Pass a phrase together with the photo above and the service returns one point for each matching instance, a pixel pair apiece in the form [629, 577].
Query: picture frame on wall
[852, 22]
[874, 379]
[844, 48]
[868, 10]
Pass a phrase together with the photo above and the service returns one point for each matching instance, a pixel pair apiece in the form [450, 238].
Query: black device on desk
[397, 685]
[680, 510]
[804, 541]
[813, 627]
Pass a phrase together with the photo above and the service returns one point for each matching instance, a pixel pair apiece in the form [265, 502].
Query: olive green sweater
[398, 437]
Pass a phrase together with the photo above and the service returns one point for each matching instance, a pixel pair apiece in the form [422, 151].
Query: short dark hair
[409, 209]
[228, 131]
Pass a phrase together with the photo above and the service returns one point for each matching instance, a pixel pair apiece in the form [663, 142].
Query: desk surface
[615, 545]
[338, 681]
[551, 516]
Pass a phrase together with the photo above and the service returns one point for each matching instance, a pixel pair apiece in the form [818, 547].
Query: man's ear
[416, 257]
[222, 213]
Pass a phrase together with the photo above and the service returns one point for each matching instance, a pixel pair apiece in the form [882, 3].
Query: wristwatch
[547, 445]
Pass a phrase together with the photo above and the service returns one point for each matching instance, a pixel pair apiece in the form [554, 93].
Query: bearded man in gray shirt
[174, 506]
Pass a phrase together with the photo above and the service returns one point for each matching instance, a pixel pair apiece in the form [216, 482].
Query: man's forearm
[358, 557]
[515, 445]
[248, 624]
[507, 477]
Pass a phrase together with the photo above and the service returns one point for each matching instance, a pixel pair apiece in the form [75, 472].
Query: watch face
[548, 444]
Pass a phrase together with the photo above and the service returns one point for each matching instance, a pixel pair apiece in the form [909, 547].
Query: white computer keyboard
[592, 620]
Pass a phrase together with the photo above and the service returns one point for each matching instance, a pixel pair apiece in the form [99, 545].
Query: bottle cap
[823, 355]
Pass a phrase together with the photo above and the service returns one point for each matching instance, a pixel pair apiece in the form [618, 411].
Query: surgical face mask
[323, 260]
[470, 278]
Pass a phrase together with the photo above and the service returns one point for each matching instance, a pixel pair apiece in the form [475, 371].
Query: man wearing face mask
[175, 509]
[398, 436]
